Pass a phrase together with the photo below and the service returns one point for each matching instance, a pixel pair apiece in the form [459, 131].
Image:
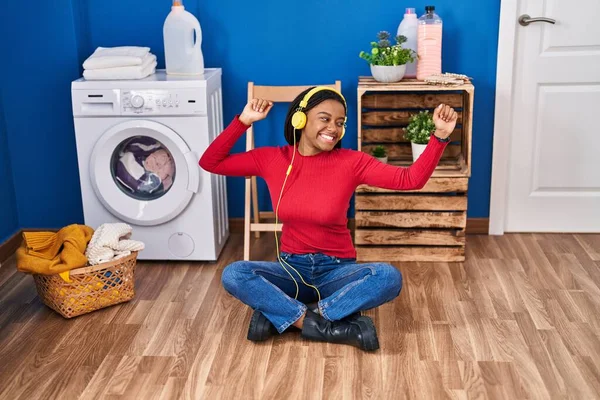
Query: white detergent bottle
[408, 27]
[183, 55]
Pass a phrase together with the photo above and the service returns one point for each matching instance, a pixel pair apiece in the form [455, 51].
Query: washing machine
[138, 146]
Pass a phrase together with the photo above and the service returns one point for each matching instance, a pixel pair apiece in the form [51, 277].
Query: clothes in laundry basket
[49, 253]
[145, 169]
[111, 241]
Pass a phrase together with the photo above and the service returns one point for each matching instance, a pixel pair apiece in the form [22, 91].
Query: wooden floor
[520, 319]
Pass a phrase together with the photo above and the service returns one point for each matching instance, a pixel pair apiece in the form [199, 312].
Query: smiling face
[324, 126]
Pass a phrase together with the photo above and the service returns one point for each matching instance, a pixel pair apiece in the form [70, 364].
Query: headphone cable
[281, 261]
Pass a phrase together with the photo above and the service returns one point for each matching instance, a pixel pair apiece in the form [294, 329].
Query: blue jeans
[345, 286]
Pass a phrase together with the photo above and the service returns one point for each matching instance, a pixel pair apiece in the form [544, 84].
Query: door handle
[193, 174]
[525, 20]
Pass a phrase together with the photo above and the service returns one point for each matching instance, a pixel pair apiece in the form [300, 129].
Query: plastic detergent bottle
[429, 44]
[408, 27]
[183, 55]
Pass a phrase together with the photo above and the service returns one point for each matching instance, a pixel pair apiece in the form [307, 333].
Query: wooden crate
[420, 225]
[385, 108]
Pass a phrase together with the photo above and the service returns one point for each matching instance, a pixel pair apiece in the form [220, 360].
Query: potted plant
[419, 131]
[387, 61]
[380, 154]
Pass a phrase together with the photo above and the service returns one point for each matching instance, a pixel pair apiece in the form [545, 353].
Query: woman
[311, 184]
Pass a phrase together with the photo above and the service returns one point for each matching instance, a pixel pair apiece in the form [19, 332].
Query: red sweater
[317, 193]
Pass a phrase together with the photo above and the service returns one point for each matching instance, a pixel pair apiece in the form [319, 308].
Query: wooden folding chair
[277, 94]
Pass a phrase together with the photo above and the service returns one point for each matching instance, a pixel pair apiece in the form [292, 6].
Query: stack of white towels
[124, 62]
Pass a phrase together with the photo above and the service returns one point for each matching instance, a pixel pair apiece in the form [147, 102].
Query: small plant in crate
[418, 132]
[380, 153]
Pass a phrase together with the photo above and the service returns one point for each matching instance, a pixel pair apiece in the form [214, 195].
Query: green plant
[420, 127]
[383, 53]
[379, 151]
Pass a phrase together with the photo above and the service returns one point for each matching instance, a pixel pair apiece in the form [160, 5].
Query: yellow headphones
[299, 117]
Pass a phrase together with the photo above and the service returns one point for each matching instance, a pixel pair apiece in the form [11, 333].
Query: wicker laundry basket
[91, 288]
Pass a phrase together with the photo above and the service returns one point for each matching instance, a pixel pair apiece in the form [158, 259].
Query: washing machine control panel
[162, 102]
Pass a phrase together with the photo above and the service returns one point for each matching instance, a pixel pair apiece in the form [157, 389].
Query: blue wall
[317, 42]
[37, 108]
[8, 206]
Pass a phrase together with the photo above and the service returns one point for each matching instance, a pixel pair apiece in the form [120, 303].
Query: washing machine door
[143, 172]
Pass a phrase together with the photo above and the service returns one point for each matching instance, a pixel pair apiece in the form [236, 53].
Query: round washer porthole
[143, 168]
[141, 198]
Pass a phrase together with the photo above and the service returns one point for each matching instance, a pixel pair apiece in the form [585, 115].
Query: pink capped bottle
[429, 44]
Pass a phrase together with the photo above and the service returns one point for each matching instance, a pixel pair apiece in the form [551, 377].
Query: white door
[143, 172]
[553, 172]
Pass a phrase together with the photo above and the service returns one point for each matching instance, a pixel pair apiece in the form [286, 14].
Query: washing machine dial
[137, 101]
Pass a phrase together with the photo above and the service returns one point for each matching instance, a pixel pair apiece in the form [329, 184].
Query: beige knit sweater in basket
[110, 242]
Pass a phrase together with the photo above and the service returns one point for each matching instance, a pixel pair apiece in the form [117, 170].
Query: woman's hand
[444, 118]
[255, 110]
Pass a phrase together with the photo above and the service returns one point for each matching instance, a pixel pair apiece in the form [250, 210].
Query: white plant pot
[388, 73]
[383, 159]
[417, 150]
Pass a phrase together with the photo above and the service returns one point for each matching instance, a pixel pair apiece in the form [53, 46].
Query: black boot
[359, 332]
[260, 328]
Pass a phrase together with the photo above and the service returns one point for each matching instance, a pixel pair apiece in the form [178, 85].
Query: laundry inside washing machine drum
[143, 168]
